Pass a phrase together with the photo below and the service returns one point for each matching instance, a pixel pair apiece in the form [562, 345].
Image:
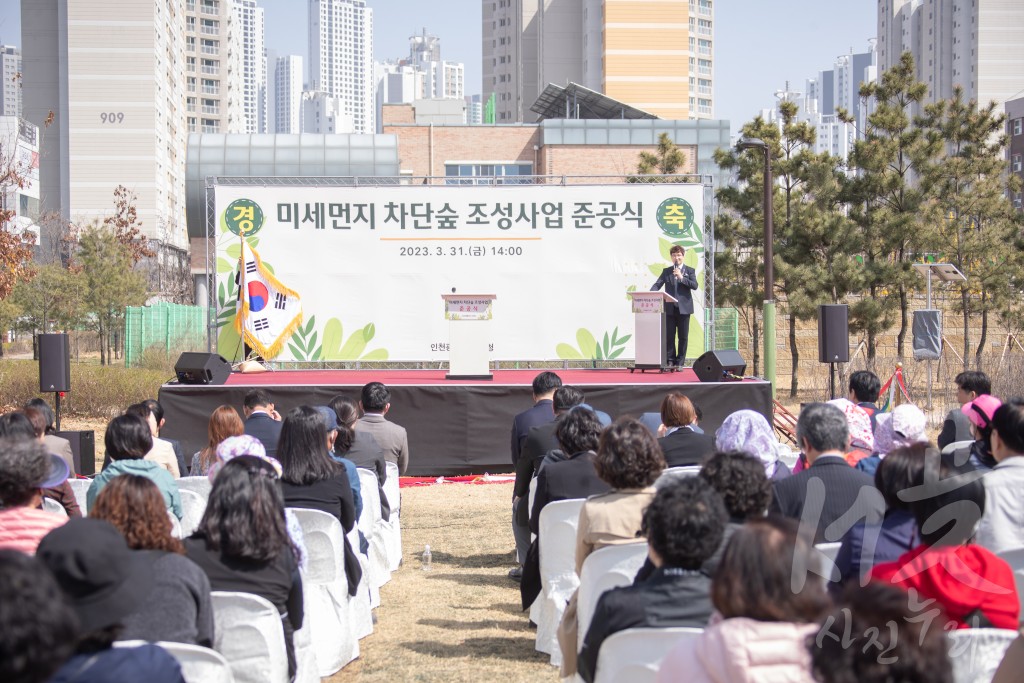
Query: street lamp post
[769, 275]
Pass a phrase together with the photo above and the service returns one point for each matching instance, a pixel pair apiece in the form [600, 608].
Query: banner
[370, 264]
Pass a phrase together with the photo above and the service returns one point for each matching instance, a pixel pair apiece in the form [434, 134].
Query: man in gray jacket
[375, 401]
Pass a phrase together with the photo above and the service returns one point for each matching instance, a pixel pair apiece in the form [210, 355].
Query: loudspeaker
[927, 334]
[83, 449]
[833, 333]
[54, 363]
[720, 366]
[201, 368]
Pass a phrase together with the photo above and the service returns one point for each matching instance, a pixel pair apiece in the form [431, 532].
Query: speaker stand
[831, 381]
[56, 409]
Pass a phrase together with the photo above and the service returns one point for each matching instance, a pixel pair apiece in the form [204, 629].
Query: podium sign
[469, 317]
[649, 329]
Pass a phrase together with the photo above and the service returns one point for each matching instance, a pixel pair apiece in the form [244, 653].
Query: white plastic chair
[80, 487]
[330, 613]
[249, 633]
[306, 668]
[200, 664]
[673, 474]
[604, 569]
[635, 654]
[558, 580]
[50, 505]
[370, 525]
[200, 485]
[1015, 558]
[828, 552]
[192, 506]
[175, 525]
[391, 529]
[361, 603]
[976, 652]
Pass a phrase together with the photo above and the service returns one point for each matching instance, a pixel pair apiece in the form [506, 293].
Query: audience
[178, 607]
[863, 391]
[867, 544]
[739, 478]
[359, 448]
[969, 385]
[54, 444]
[541, 412]
[862, 438]
[1002, 525]
[224, 422]
[31, 424]
[128, 439]
[261, 420]
[979, 413]
[765, 616]
[875, 637]
[330, 419]
[749, 431]
[311, 479]
[242, 543]
[974, 587]
[902, 427]
[105, 583]
[25, 470]
[375, 402]
[158, 415]
[680, 444]
[629, 461]
[37, 627]
[829, 489]
[684, 525]
[161, 451]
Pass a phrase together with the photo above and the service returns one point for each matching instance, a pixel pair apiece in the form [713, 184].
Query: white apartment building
[341, 57]
[10, 92]
[288, 94]
[975, 44]
[19, 145]
[113, 74]
[656, 55]
[252, 53]
[213, 77]
[325, 114]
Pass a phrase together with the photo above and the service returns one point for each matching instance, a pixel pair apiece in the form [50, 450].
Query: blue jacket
[148, 662]
[143, 468]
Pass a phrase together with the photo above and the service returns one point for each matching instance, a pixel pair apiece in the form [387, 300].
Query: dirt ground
[460, 621]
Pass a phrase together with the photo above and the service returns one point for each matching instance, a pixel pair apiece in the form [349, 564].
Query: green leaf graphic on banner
[234, 251]
[333, 336]
[376, 354]
[631, 288]
[229, 344]
[303, 342]
[336, 347]
[566, 352]
[611, 346]
[224, 266]
[656, 269]
[369, 331]
[587, 343]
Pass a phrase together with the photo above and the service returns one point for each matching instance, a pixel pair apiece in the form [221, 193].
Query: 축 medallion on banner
[675, 218]
[244, 217]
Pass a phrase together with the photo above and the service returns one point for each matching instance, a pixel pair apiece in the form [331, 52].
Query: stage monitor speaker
[720, 366]
[201, 368]
[54, 363]
[833, 333]
[83, 449]
[927, 334]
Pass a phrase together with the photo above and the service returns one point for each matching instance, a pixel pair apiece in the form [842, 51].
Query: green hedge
[96, 391]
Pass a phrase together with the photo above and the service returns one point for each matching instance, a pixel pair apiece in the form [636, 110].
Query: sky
[759, 44]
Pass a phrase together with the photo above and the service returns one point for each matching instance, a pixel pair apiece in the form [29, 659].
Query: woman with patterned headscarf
[862, 440]
[749, 431]
[904, 426]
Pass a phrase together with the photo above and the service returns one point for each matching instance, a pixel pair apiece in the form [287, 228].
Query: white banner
[370, 264]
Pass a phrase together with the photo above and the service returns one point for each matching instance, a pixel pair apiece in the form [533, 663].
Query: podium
[469, 317]
[649, 330]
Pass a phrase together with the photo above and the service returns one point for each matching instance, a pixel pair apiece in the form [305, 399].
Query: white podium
[469, 317]
[649, 330]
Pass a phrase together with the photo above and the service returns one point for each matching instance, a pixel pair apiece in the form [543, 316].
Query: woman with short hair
[224, 422]
[680, 445]
[178, 607]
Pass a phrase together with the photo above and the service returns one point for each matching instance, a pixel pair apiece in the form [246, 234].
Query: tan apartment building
[655, 55]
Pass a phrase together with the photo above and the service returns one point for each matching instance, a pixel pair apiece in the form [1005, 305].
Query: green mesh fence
[170, 328]
[727, 329]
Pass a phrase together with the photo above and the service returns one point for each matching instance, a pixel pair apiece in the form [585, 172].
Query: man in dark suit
[678, 280]
[262, 421]
[544, 386]
[829, 497]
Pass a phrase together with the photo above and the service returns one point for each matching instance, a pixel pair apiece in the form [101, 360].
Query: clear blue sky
[758, 44]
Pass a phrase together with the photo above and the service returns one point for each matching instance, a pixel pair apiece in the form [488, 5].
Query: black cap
[104, 579]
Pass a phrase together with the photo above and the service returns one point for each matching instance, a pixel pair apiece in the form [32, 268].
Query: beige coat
[162, 453]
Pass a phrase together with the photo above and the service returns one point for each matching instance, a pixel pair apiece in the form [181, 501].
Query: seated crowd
[117, 568]
[829, 565]
[734, 535]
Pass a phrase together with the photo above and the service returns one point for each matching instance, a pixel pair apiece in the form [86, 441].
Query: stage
[455, 427]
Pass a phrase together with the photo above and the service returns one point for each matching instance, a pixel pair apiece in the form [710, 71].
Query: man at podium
[679, 280]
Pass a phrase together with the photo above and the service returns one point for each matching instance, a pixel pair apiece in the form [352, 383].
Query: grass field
[461, 621]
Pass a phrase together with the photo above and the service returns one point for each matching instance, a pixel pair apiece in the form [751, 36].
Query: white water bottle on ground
[426, 558]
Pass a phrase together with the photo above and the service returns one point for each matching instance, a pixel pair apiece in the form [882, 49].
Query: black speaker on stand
[720, 366]
[54, 368]
[201, 368]
[833, 339]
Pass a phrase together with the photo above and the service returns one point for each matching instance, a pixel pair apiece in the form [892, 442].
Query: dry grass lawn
[461, 621]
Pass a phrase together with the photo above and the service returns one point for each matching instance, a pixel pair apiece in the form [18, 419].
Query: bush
[96, 391]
